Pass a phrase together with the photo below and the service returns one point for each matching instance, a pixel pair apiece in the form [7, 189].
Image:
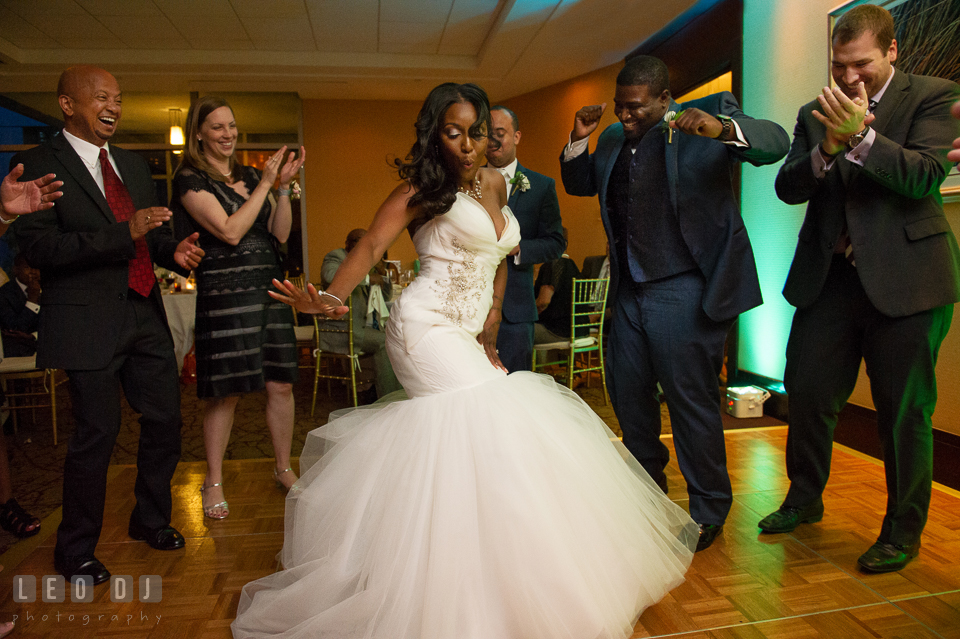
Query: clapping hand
[842, 116]
[272, 167]
[587, 120]
[188, 253]
[20, 198]
[308, 301]
[145, 220]
[291, 169]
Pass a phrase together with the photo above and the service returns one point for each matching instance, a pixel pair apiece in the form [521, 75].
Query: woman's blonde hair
[193, 156]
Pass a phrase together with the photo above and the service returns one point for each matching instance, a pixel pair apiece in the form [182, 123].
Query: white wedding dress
[483, 507]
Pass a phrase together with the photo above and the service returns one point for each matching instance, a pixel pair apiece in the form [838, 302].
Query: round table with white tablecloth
[181, 311]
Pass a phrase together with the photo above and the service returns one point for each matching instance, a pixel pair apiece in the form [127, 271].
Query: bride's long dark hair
[424, 167]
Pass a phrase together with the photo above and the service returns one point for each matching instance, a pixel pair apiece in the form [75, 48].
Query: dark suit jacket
[541, 240]
[906, 254]
[83, 254]
[14, 313]
[701, 175]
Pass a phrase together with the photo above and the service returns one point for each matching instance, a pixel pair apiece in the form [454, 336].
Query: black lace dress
[244, 336]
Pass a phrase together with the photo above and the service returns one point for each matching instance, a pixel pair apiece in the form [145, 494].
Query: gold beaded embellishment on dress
[463, 289]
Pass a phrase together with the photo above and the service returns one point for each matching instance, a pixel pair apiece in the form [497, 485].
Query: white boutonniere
[669, 117]
[295, 190]
[521, 182]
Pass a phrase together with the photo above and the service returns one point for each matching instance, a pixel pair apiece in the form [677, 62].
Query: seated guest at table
[19, 198]
[365, 338]
[19, 308]
[554, 291]
[244, 339]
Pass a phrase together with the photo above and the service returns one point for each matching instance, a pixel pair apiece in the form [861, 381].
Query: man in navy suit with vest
[681, 265]
[533, 200]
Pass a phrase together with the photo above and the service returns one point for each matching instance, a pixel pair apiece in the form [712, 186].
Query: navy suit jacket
[907, 256]
[541, 240]
[701, 173]
[83, 255]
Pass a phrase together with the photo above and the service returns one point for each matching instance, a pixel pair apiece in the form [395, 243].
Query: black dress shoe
[788, 518]
[165, 538]
[708, 532]
[883, 557]
[82, 565]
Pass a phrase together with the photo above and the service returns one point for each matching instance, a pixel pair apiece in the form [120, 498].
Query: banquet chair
[17, 369]
[324, 361]
[305, 334]
[582, 354]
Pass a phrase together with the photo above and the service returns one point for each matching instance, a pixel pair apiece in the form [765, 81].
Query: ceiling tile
[165, 43]
[198, 19]
[285, 44]
[133, 28]
[209, 44]
[415, 10]
[272, 9]
[119, 7]
[81, 32]
[344, 26]
[277, 28]
[468, 27]
[38, 11]
[21, 33]
[409, 37]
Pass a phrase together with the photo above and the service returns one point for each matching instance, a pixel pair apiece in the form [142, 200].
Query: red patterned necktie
[141, 277]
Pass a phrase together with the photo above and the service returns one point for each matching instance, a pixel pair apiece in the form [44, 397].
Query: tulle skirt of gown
[485, 507]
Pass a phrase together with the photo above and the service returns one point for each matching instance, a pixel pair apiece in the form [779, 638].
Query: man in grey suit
[365, 338]
[533, 200]
[874, 276]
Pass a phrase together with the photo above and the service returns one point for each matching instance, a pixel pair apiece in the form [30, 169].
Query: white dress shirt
[90, 156]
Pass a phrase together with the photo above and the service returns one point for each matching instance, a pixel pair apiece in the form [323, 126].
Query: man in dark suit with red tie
[102, 318]
[874, 277]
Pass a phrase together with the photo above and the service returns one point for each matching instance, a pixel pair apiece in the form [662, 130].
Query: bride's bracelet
[339, 301]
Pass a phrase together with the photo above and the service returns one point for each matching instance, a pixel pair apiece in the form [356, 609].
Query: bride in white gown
[485, 506]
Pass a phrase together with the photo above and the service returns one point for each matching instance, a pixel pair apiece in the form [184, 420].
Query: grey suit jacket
[906, 255]
[700, 172]
[83, 255]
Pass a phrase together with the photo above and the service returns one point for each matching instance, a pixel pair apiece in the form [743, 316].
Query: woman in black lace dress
[245, 339]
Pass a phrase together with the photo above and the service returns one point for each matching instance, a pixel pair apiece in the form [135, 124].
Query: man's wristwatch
[727, 133]
[855, 139]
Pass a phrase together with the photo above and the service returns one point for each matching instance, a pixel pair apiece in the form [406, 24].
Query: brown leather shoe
[883, 557]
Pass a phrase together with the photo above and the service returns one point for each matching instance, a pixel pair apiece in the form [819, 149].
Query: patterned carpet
[36, 465]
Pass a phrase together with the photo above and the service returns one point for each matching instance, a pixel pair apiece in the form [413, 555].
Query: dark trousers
[661, 334]
[515, 343]
[827, 342]
[145, 367]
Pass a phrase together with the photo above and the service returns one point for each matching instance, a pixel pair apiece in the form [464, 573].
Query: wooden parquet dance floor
[798, 585]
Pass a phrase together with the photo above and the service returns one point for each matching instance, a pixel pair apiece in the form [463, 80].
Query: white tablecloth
[181, 311]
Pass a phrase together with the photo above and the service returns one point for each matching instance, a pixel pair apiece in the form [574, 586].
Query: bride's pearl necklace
[474, 191]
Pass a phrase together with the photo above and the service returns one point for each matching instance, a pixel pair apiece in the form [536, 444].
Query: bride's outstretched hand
[308, 301]
[488, 338]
